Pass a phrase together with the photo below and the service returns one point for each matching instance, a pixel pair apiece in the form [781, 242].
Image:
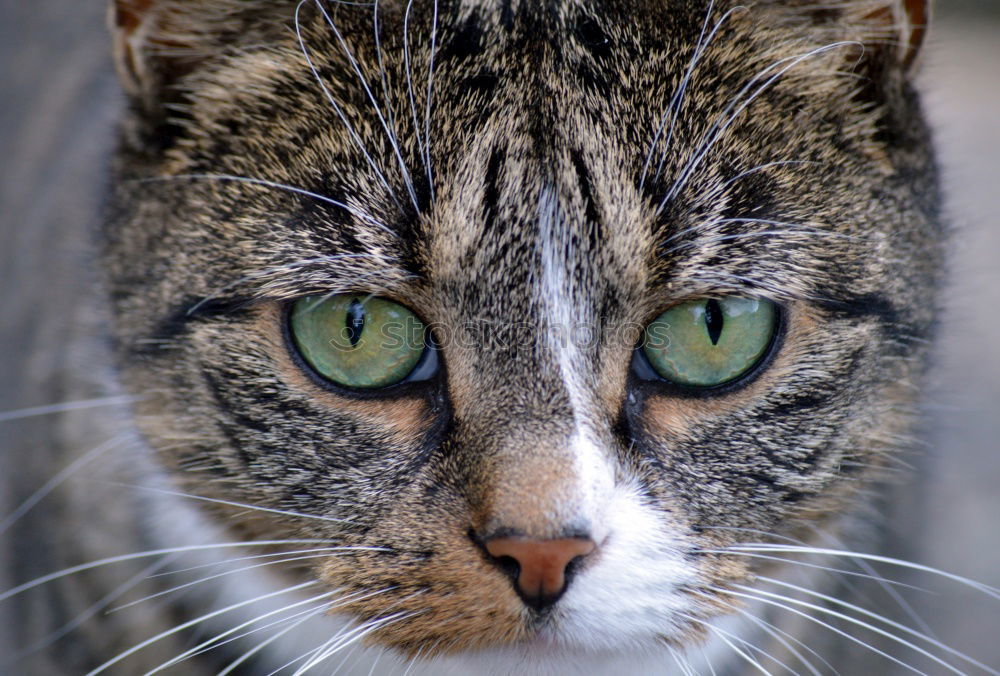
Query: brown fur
[533, 103]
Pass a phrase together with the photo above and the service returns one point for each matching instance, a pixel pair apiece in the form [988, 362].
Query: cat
[503, 337]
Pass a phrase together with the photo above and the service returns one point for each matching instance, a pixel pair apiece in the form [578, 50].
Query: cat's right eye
[360, 342]
[710, 342]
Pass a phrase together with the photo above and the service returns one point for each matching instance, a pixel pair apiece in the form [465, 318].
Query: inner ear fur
[892, 31]
[158, 42]
[905, 24]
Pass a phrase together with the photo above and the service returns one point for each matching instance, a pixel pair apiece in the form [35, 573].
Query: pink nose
[541, 564]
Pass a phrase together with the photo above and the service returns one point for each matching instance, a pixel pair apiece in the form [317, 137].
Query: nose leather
[542, 564]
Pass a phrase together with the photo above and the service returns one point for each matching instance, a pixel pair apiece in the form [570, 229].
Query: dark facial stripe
[191, 308]
[491, 195]
[596, 227]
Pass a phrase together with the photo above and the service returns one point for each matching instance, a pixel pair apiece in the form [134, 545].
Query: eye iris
[710, 342]
[364, 343]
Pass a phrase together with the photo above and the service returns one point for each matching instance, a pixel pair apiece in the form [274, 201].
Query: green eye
[357, 341]
[710, 342]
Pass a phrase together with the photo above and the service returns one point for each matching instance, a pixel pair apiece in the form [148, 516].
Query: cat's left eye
[710, 342]
[361, 342]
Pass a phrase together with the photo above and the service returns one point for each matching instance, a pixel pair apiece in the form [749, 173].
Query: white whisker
[875, 616]
[390, 133]
[190, 623]
[421, 142]
[354, 211]
[768, 597]
[261, 646]
[38, 581]
[428, 165]
[57, 480]
[216, 576]
[687, 80]
[682, 662]
[806, 564]
[736, 107]
[65, 407]
[764, 167]
[336, 107]
[217, 641]
[89, 612]
[760, 547]
[242, 505]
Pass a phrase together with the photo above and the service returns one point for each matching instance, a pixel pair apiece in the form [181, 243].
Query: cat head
[532, 308]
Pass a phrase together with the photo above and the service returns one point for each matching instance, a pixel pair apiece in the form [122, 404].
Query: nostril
[509, 566]
[540, 569]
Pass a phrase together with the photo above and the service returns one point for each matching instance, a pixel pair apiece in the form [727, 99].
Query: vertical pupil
[713, 320]
[355, 321]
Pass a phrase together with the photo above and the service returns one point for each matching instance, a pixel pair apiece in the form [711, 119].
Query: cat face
[537, 183]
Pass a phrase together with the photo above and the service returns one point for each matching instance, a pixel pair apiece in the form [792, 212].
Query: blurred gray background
[57, 105]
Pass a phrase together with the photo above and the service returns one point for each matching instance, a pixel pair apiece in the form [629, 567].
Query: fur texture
[521, 174]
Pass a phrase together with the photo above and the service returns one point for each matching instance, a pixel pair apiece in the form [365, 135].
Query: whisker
[342, 640]
[87, 614]
[239, 559]
[760, 234]
[371, 97]
[764, 167]
[979, 586]
[875, 616]
[886, 587]
[682, 90]
[829, 569]
[38, 581]
[322, 609]
[736, 108]
[337, 109]
[190, 623]
[427, 112]
[371, 672]
[708, 663]
[794, 226]
[215, 641]
[682, 662]
[64, 407]
[216, 576]
[413, 660]
[261, 646]
[354, 211]
[749, 659]
[780, 636]
[407, 68]
[695, 57]
[767, 597]
[242, 505]
[57, 480]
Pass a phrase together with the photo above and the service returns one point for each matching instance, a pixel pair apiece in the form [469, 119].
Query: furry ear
[158, 42]
[892, 31]
[905, 22]
[149, 54]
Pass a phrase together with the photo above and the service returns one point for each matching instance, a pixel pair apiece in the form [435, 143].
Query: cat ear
[904, 25]
[158, 42]
[892, 31]
[148, 58]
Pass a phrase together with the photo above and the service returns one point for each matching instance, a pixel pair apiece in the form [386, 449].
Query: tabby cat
[503, 336]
